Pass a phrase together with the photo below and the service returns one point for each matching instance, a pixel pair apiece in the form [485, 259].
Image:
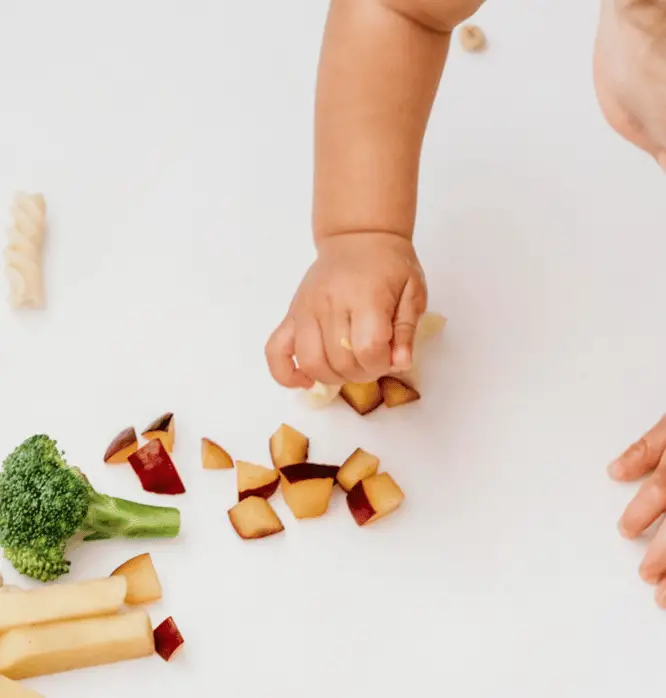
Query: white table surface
[173, 143]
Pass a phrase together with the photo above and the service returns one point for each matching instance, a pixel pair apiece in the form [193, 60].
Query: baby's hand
[647, 457]
[354, 315]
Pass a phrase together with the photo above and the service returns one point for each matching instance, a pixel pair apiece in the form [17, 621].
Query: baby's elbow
[438, 15]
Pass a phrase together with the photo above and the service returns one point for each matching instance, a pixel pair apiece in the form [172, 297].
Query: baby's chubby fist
[354, 315]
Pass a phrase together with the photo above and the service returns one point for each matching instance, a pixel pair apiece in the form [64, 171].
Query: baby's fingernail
[402, 360]
[615, 469]
[622, 529]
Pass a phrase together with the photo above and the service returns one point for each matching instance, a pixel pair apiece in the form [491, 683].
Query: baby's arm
[379, 71]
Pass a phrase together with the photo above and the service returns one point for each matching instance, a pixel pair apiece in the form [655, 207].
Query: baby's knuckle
[309, 365]
[345, 365]
[371, 348]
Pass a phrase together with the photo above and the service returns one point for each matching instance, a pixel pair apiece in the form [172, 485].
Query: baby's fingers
[653, 567]
[311, 353]
[339, 350]
[371, 333]
[410, 308]
[280, 357]
[642, 456]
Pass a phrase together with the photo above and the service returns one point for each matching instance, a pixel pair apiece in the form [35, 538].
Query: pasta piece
[320, 395]
[24, 250]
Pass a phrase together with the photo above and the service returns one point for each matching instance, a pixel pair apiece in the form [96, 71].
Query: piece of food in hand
[35, 538]
[358, 466]
[396, 392]
[254, 517]
[255, 480]
[97, 597]
[122, 447]
[374, 498]
[363, 397]
[14, 689]
[40, 650]
[214, 457]
[430, 325]
[320, 395]
[307, 488]
[143, 584]
[288, 446]
[168, 640]
[156, 470]
[164, 429]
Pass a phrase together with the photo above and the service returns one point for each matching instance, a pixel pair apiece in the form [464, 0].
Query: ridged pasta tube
[24, 250]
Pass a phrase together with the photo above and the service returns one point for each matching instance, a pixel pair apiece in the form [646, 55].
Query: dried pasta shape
[320, 395]
[24, 251]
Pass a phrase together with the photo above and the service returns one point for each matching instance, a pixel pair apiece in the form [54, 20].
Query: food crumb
[472, 38]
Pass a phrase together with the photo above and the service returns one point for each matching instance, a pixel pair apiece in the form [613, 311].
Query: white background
[173, 143]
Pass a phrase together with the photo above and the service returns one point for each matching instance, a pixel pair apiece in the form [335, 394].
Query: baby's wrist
[321, 237]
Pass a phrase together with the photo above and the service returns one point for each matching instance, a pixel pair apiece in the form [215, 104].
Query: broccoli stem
[111, 517]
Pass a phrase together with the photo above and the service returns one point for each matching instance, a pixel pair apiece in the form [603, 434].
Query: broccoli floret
[42, 565]
[44, 503]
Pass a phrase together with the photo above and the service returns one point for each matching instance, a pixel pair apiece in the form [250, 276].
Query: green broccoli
[44, 503]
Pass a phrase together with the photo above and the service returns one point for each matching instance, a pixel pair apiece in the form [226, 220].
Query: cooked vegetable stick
[74, 644]
[98, 597]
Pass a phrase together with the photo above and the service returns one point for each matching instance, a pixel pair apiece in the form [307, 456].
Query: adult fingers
[660, 594]
[280, 357]
[311, 353]
[371, 334]
[653, 567]
[339, 349]
[646, 507]
[642, 456]
[408, 313]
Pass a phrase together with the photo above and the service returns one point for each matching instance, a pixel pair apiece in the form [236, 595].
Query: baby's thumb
[408, 313]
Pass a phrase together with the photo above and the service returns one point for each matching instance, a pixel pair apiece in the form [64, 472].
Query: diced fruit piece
[39, 650]
[254, 517]
[358, 466]
[298, 472]
[122, 446]
[143, 584]
[155, 469]
[395, 392]
[214, 457]
[13, 689]
[288, 446]
[255, 480]
[363, 397]
[307, 488]
[62, 602]
[168, 640]
[373, 498]
[164, 429]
